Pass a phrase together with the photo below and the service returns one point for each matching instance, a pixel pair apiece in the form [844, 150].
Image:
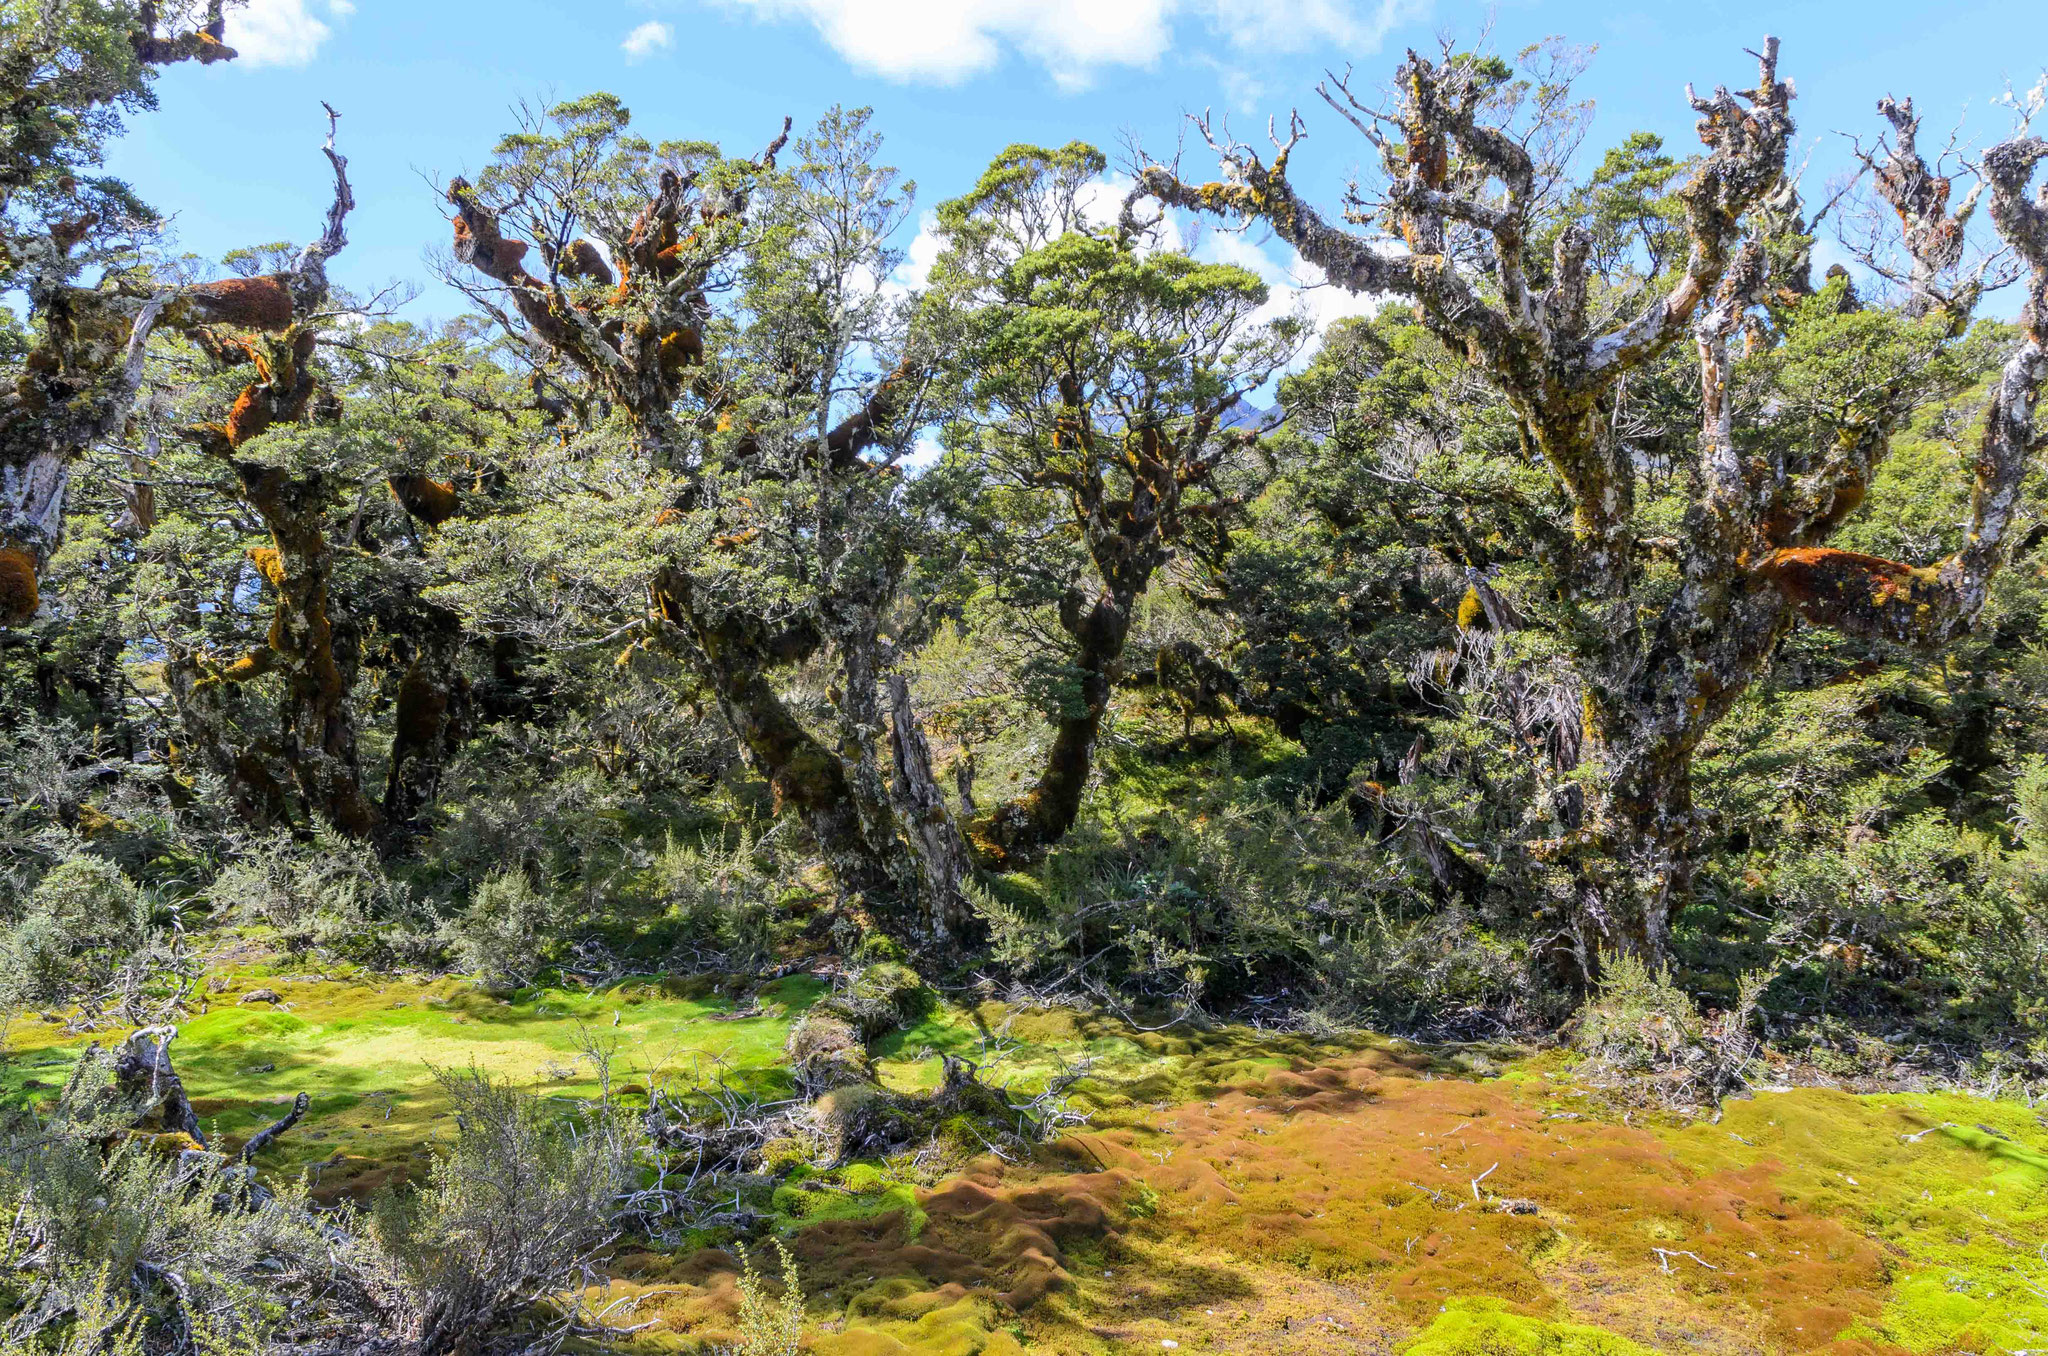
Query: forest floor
[1233, 1190]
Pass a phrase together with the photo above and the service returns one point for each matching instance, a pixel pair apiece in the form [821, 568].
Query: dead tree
[1463, 196]
[1934, 234]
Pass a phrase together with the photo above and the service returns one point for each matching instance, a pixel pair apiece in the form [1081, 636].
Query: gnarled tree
[67, 72]
[1661, 632]
[724, 312]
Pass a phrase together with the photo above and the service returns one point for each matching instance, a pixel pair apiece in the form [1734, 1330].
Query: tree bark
[1042, 816]
[934, 835]
[431, 718]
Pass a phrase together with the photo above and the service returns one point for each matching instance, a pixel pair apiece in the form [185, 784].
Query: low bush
[520, 1204]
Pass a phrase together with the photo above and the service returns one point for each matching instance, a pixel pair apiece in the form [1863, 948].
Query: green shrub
[90, 936]
[1646, 1037]
[329, 895]
[145, 1245]
[518, 1206]
[508, 932]
[720, 901]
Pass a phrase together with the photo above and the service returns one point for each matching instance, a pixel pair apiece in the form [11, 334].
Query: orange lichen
[263, 303]
[269, 564]
[249, 416]
[20, 594]
[511, 253]
[254, 664]
[1850, 590]
[431, 501]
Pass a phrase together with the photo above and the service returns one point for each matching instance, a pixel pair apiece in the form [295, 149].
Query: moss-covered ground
[1232, 1191]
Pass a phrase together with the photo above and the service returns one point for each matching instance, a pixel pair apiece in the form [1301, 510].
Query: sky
[425, 88]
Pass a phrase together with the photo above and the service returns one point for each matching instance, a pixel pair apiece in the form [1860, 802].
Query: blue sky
[424, 87]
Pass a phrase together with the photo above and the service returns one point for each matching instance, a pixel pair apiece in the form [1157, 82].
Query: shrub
[1643, 1034]
[517, 1207]
[89, 936]
[506, 934]
[769, 1328]
[1236, 896]
[152, 1248]
[720, 901]
[329, 895]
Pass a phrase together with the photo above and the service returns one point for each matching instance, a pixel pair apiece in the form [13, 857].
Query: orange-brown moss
[680, 349]
[431, 501]
[982, 1240]
[269, 564]
[1355, 1168]
[20, 593]
[263, 303]
[1862, 594]
[583, 260]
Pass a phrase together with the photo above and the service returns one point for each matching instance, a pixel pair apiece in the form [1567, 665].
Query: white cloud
[915, 272]
[282, 32]
[647, 39]
[1349, 28]
[949, 40]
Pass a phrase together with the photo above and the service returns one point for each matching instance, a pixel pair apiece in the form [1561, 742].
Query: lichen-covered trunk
[207, 742]
[78, 388]
[731, 654]
[1635, 869]
[430, 718]
[1100, 628]
[31, 522]
[1647, 710]
[809, 780]
[905, 818]
[305, 648]
[933, 834]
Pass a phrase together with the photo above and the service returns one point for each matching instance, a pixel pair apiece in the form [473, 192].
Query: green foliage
[770, 1326]
[519, 1203]
[507, 932]
[720, 901]
[328, 895]
[89, 936]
